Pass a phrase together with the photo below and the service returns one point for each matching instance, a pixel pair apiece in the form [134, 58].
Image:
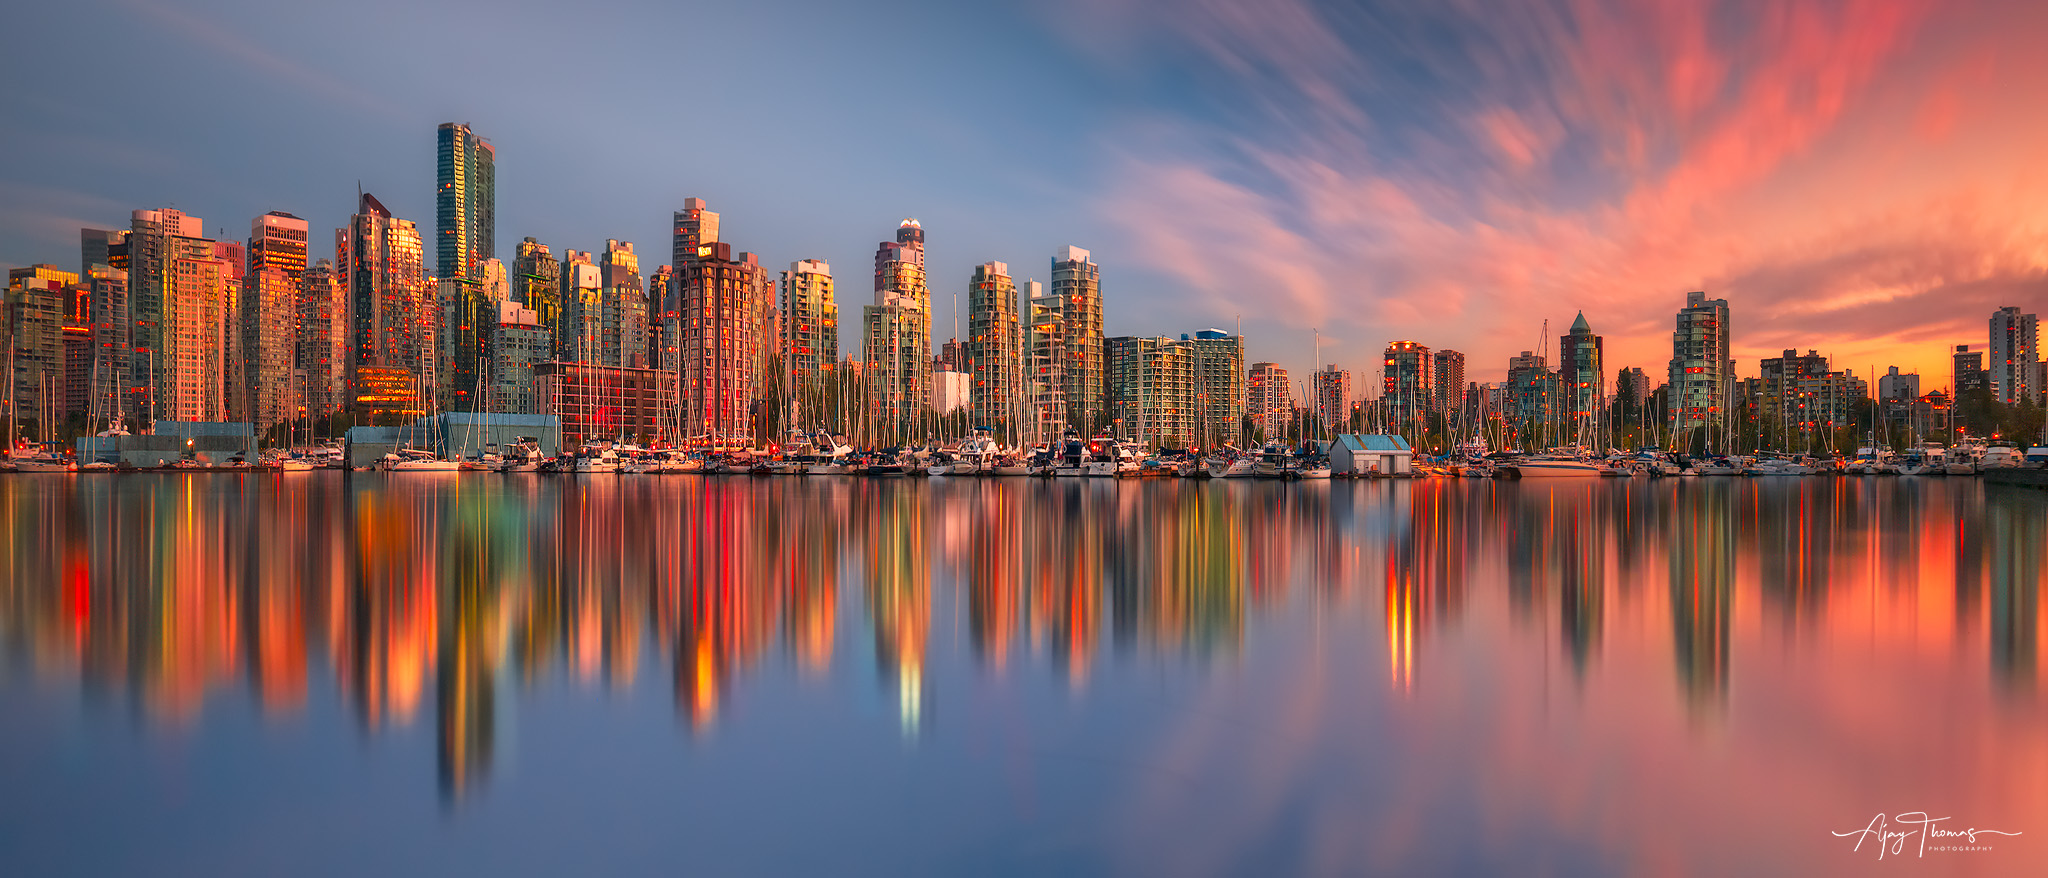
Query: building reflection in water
[452, 594]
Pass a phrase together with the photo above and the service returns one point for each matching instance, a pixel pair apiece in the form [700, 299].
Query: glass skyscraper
[465, 201]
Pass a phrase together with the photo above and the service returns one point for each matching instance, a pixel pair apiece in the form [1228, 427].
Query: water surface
[415, 673]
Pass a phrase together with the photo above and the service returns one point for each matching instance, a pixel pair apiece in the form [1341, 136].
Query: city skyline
[1674, 161]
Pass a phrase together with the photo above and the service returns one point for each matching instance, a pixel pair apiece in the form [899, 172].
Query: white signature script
[1893, 841]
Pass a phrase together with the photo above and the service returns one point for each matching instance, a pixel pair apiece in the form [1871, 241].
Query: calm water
[319, 674]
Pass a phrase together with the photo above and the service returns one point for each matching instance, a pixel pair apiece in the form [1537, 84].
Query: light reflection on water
[1090, 676]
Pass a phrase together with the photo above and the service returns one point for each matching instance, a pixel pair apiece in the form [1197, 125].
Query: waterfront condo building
[1580, 376]
[391, 331]
[1045, 359]
[810, 328]
[1332, 394]
[1219, 386]
[1268, 400]
[468, 308]
[622, 307]
[660, 288]
[1407, 393]
[897, 331]
[1532, 395]
[267, 320]
[112, 330]
[32, 327]
[1700, 376]
[322, 354]
[577, 338]
[1967, 374]
[465, 202]
[173, 290]
[537, 283]
[1152, 390]
[1077, 284]
[694, 226]
[2015, 349]
[1896, 385]
[993, 358]
[517, 342]
[720, 329]
[1798, 398]
[1447, 381]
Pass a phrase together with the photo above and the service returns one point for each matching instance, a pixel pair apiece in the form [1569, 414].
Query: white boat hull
[1557, 469]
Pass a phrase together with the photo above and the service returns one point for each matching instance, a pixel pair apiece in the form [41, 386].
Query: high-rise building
[1896, 385]
[1447, 375]
[1701, 376]
[622, 305]
[810, 327]
[1967, 372]
[582, 329]
[1532, 392]
[108, 247]
[1332, 392]
[323, 343]
[695, 227]
[2015, 348]
[112, 345]
[897, 331]
[468, 309]
[391, 336]
[1268, 400]
[152, 237]
[1406, 389]
[465, 202]
[1152, 390]
[32, 327]
[1077, 283]
[660, 292]
[720, 333]
[517, 342]
[1045, 361]
[1579, 373]
[1219, 386]
[993, 358]
[1802, 396]
[537, 283]
[267, 320]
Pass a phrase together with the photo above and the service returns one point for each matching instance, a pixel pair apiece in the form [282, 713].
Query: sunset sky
[1862, 178]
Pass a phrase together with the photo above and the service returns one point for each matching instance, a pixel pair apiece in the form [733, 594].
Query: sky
[1865, 179]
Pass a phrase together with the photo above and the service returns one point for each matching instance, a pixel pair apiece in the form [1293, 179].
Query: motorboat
[598, 460]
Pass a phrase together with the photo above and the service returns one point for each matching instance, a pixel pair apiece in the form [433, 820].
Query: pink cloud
[1764, 152]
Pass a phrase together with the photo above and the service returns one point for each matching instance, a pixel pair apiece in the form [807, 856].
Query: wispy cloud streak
[1457, 173]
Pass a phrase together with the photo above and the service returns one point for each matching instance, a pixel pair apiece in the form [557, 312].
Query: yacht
[418, 460]
[1555, 466]
[830, 456]
[523, 456]
[596, 459]
[1232, 466]
[43, 463]
[1072, 459]
[2001, 456]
